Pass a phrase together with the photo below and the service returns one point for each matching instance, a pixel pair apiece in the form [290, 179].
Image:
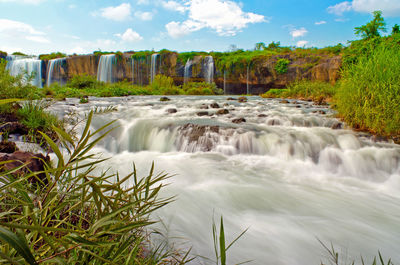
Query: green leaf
[222, 243]
[18, 244]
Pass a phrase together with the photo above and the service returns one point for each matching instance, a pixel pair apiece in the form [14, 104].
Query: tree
[274, 45]
[395, 29]
[259, 46]
[372, 28]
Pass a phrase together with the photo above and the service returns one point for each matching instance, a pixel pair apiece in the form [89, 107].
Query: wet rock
[319, 112]
[203, 106]
[337, 126]
[230, 98]
[8, 147]
[164, 99]
[202, 113]
[214, 106]
[379, 138]
[298, 106]
[14, 128]
[239, 120]
[242, 99]
[199, 134]
[222, 112]
[284, 101]
[274, 122]
[226, 105]
[32, 163]
[171, 111]
[262, 115]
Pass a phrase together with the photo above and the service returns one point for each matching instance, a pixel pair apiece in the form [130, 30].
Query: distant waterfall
[187, 74]
[26, 67]
[104, 70]
[224, 82]
[153, 70]
[247, 80]
[54, 71]
[209, 69]
[133, 70]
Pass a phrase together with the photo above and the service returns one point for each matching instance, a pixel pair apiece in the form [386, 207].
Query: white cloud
[174, 6]
[72, 6]
[146, 16]
[388, 7]
[340, 8]
[39, 39]
[322, 22]
[341, 19]
[77, 50]
[223, 16]
[12, 27]
[130, 36]
[298, 32]
[117, 13]
[34, 2]
[301, 43]
[143, 2]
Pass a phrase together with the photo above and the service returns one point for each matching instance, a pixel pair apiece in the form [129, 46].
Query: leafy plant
[372, 28]
[281, 66]
[33, 115]
[83, 81]
[51, 56]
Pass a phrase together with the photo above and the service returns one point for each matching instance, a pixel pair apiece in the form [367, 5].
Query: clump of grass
[369, 95]
[34, 116]
[77, 217]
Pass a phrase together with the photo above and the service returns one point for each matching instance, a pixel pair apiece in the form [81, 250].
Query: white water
[187, 71]
[26, 67]
[153, 71]
[209, 69]
[225, 82]
[133, 70]
[54, 69]
[247, 80]
[285, 175]
[105, 68]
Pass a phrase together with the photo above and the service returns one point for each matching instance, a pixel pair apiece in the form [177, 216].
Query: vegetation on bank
[51, 56]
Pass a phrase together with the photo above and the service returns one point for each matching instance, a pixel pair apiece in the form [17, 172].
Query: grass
[33, 115]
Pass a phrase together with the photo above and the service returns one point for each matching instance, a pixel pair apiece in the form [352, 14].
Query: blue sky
[83, 26]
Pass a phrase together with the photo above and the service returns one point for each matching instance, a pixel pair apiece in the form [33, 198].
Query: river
[284, 173]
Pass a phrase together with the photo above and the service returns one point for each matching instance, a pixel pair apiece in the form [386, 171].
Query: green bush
[3, 54]
[19, 53]
[201, 88]
[51, 56]
[281, 66]
[82, 81]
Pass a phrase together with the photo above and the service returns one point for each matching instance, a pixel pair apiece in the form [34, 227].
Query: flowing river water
[284, 173]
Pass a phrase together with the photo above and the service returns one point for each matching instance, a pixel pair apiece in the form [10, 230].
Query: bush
[201, 88]
[281, 66]
[83, 81]
[51, 56]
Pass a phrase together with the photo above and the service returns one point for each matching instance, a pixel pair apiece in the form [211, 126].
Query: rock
[203, 106]
[32, 162]
[239, 120]
[226, 105]
[222, 112]
[164, 99]
[202, 113]
[14, 128]
[262, 115]
[319, 112]
[337, 126]
[230, 98]
[298, 106]
[273, 122]
[284, 101]
[193, 132]
[214, 105]
[242, 99]
[171, 111]
[8, 147]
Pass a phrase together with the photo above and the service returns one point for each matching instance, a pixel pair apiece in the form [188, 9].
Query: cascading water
[133, 70]
[105, 68]
[153, 70]
[187, 74]
[283, 172]
[247, 80]
[209, 69]
[224, 82]
[27, 67]
[54, 71]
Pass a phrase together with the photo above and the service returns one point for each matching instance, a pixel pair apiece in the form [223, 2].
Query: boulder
[214, 105]
[14, 128]
[230, 98]
[242, 99]
[164, 99]
[203, 106]
[222, 112]
[194, 132]
[239, 120]
[171, 111]
[319, 112]
[262, 115]
[8, 147]
[32, 163]
[202, 113]
[337, 126]
[284, 101]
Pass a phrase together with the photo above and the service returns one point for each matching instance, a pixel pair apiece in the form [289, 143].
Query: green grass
[33, 115]
[51, 56]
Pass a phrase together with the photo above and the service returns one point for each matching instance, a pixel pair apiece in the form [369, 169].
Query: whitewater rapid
[284, 173]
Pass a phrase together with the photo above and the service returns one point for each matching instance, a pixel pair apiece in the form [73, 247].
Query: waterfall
[224, 82]
[209, 69]
[26, 67]
[54, 71]
[104, 70]
[187, 74]
[133, 70]
[247, 80]
[153, 71]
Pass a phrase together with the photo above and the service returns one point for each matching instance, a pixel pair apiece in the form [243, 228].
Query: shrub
[51, 56]
[19, 53]
[281, 66]
[3, 54]
[201, 88]
[82, 81]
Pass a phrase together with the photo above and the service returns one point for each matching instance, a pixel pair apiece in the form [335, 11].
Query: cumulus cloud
[223, 16]
[322, 22]
[39, 39]
[146, 16]
[11, 26]
[301, 43]
[130, 36]
[117, 13]
[388, 7]
[298, 32]
[174, 6]
[34, 2]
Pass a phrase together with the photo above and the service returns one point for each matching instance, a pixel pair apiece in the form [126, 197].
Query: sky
[83, 26]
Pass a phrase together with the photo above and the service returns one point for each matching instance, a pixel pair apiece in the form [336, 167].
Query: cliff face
[257, 77]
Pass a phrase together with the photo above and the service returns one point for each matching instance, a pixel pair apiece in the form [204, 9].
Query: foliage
[281, 66]
[142, 54]
[369, 95]
[372, 28]
[74, 216]
[260, 46]
[51, 56]
[16, 86]
[316, 91]
[274, 45]
[3, 54]
[201, 88]
[395, 29]
[33, 115]
[184, 56]
[19, 53]
[164, 85]
[81, 81]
